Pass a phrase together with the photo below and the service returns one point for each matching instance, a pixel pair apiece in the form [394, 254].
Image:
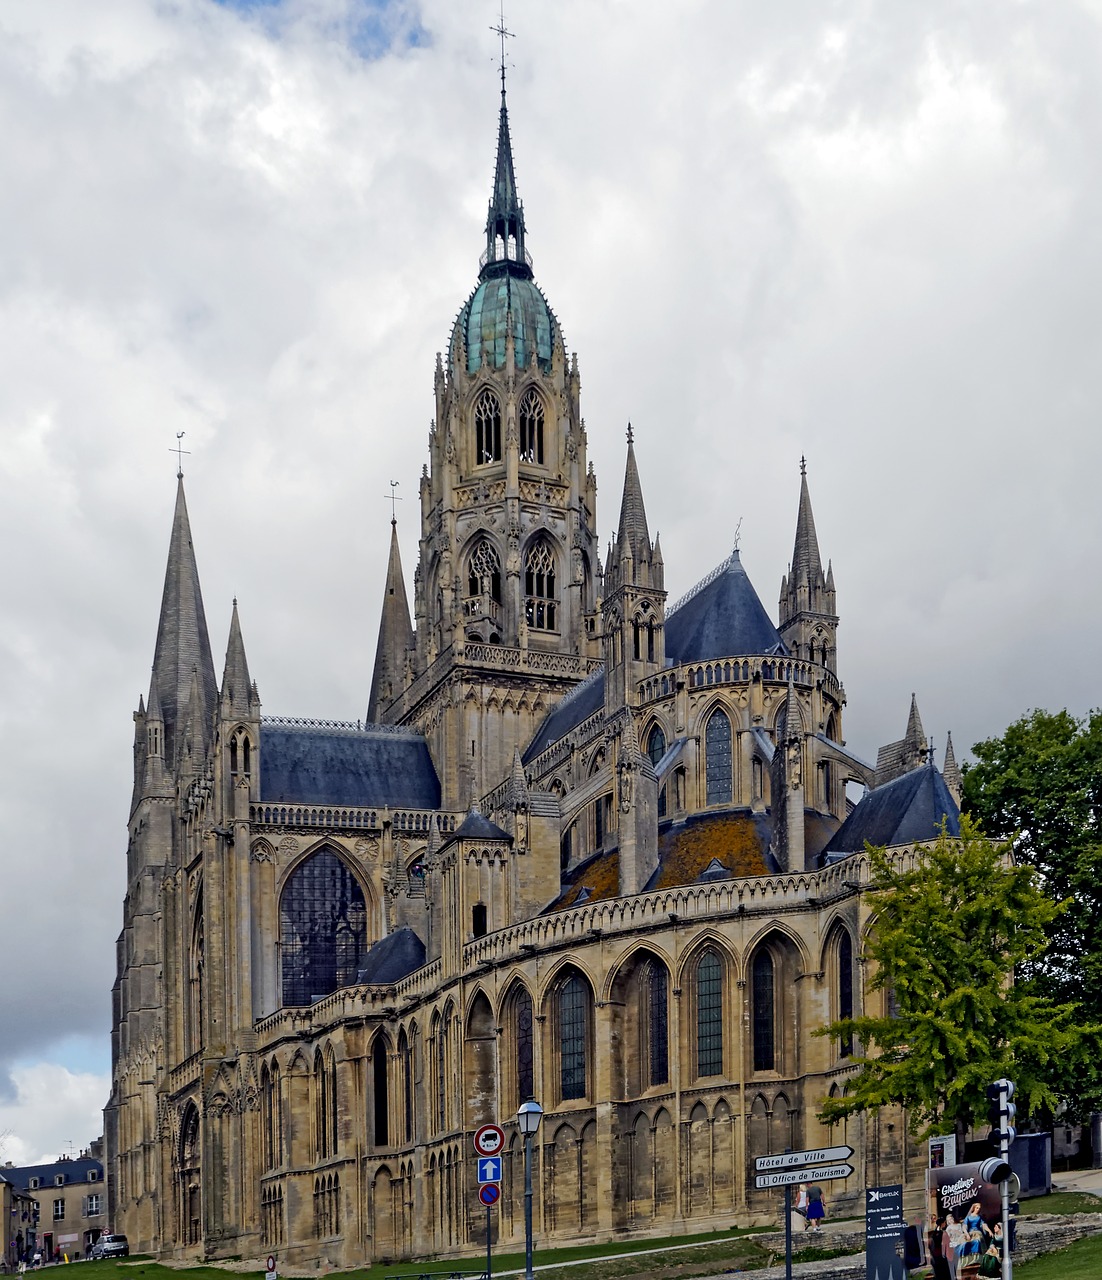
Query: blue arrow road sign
[489, 1169]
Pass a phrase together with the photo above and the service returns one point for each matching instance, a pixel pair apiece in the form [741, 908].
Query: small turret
[788, 785]
[394, 649]
[239, 696]
[950, 770]
[911, 751]
[807, 609]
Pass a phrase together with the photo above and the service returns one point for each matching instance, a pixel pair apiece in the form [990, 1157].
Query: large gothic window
[487, 428]
[656, 993]
[322, 929]
[540, 606]
[709, 1015]
[531, 427]
[522, 1013]
[763, 1012]
[656, 745]
[484, 572]
[717, 758]
[845, 988]
[572, 1018]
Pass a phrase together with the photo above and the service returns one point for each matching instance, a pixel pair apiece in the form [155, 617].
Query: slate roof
[578, 705]
[475, 826]
[393, 957]
[75, 1170]
[721, 619]
[308, 765]
[909, 808]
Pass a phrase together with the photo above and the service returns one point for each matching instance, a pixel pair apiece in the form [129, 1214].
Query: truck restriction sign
[489, 1140]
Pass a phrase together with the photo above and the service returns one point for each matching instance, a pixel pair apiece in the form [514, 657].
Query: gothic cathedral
[589, 847]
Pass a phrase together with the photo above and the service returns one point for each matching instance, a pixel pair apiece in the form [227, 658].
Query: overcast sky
[867, 233]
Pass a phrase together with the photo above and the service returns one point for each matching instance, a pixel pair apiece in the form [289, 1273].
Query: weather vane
[738, 532]
[394, 497]
[803, 465]
[179, 451]
[501, 33]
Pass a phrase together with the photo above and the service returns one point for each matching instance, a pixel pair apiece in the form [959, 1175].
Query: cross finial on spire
[394, 497]
[738, 532]
[803, 465]
[502, 33]
[631, 434]
[179, 451]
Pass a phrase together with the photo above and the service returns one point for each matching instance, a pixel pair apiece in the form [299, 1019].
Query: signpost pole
[788, 1231]
[488, 1253]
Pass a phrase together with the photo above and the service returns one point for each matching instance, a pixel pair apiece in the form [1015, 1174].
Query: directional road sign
[801, 1159]
[790, 1176]
[489, 1169]
[489, 1193]
[489, 1140]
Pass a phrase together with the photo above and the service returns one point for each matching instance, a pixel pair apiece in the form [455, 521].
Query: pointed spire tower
[634, 605]
[396, 641]
[183, 645]
[505, 251]
[239, 697]
[950, 770]
[807, 608]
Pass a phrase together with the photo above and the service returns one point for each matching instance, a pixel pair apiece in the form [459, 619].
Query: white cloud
[54, 1112]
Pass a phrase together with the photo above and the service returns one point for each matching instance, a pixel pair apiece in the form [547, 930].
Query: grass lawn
[1079, 1261]
[1061, 1202]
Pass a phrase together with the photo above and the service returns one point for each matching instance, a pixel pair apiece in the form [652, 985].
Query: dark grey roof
[909, 808]
[75, 1170]
[721, 619]
[307, 765]
[394, 956]
[578, 705]
[476, 827]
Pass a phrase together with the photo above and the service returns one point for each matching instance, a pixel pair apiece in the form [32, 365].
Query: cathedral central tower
[507, 585]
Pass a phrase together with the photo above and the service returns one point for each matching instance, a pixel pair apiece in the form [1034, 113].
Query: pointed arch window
[531, 427]
[763, 1011]
[487, 428]
[845, 988]
[484, 572]
[523, 1024]
[656, 994]
[656, 745]
[405, 1056]
[572, 1011]
[322, 929]
[381, 1090]
[717, 758]
[541, 602]
[709, 1015]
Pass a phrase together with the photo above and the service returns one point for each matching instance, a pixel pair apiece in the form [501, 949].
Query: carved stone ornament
[627, 787]
[262, 852]
[288, 847]
[367, 847]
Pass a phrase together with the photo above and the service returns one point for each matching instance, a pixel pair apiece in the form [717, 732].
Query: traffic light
[1001, 1112]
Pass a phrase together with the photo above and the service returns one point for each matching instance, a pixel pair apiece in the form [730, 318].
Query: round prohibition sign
[489, 1139]
[489, 1193]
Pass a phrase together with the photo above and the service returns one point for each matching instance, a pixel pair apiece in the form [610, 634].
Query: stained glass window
[717, 758]
[531, 427]
[709, 1015]
[572, 1012]
[322, 929]
[658, 1022]
[656, 745]
[845, 988]
[487, 426]
[763, 1012]
[525, 1077]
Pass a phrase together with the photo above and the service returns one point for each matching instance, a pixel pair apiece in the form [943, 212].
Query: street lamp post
[528, 1119]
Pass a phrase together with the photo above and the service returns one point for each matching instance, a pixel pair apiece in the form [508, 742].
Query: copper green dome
[485, 323]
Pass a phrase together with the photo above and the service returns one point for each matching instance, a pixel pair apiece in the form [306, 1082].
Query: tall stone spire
[237, 688]
[808, 618]
[950, 770]
[183, 644]
[395, 636]
[633, 533]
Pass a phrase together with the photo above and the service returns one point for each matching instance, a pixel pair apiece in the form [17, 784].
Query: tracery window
[845, 988]
[487, 428]
[717, 758]
[709, 1015]
[656, 993]
[540, 607]
[523, 1024]
[271, 1102]
[484, 572]
[572, 1010]
[763, 1011]
[531, 427]
[381, 1082]
[656, 745]
[322, 929]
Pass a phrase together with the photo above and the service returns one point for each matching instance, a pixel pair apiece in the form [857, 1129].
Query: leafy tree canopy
[1040, 785]
[951, 926]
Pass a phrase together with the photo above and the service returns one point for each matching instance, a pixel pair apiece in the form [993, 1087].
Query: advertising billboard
[964, 1217]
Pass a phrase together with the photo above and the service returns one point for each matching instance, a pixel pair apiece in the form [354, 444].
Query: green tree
[1040, 785]
[948, 934]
